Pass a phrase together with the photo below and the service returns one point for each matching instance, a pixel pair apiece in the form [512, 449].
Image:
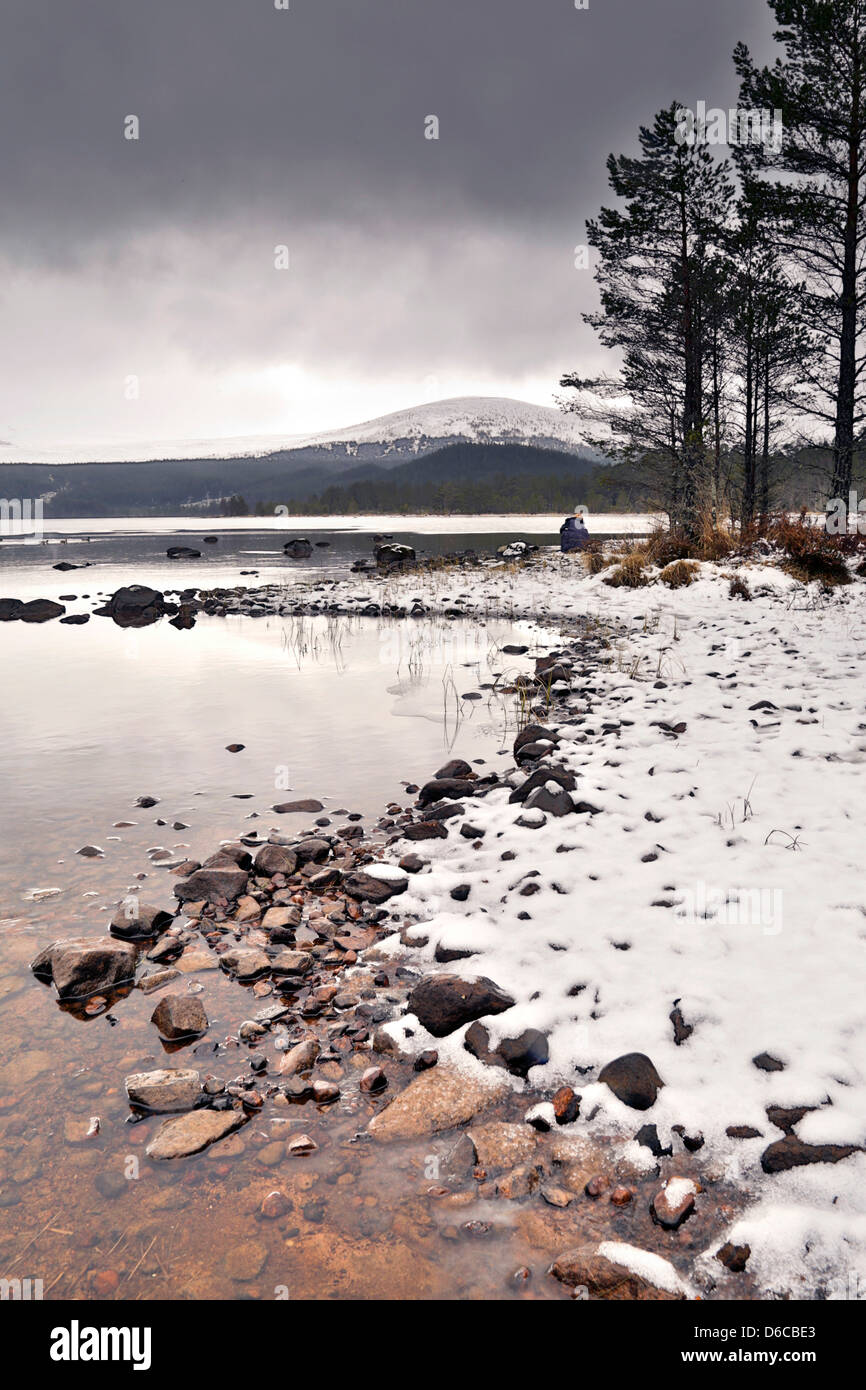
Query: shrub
[809, 552]
[679, 574]
[627, 575]
[738, 588]
[595, 561]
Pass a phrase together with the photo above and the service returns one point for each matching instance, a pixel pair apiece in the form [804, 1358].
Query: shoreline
[536, 1156]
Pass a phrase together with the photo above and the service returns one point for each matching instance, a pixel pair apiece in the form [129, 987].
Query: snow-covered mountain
[391, 438]
[475, 419]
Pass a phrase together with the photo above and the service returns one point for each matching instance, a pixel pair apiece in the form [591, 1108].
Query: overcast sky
[418, 268]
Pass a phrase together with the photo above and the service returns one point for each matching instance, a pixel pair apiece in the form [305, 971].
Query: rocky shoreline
[312, 925]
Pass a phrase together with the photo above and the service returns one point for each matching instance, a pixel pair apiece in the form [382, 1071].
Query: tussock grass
[680, 573]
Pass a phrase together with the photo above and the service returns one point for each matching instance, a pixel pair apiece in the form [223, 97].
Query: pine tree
[818, 206]
[657, 277]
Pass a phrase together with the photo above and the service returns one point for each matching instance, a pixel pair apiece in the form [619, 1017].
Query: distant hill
[177, 482]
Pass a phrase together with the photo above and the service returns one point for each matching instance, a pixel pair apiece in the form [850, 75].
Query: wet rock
[324, 1092]
[80, 967]
[189, 1134]
[412, 863]
[585, 1268]
[312, 851]
[179, 1016]
[308, 807]
[163, 1090]
[292, 963]
[133, 919]
[40, 610]
[566, 1105]
[301, 1144]
[674, 1203]
[245, 1261]
[426, 1059]
[300, 1057]
[425, 830]
[443, 1003]
[245, 962]
[367, 888]
[633, 1080]
[373, 1080]
[10, 609]
[90, 852]
[556, 1196]
[445, 788]
[456, 768]
[792, 1152]
[275, 859]
[213, 885]
[394, 556]
[436, 1100]
[275, 1205]
[299, 548]
[502, 1145]
[734, 1257]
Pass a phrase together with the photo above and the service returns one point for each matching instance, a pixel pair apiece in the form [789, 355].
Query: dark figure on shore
[573, 534]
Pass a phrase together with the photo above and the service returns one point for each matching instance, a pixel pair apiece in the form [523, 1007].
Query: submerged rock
[189, 1134]
[436, 1100]
[163, 1090]
[79, 967]
[221, 883]
[179, 1016]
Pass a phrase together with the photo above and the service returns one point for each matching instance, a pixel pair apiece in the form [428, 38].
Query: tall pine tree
[818, 206]
[657, 275]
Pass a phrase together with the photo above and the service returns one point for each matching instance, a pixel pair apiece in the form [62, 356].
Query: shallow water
[95, 717]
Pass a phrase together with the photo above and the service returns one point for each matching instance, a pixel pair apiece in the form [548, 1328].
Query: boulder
[80, 967]
[275, 859]
[633, 1080]
[540, 778]
[443, 1003]
[163, 1091]
[189, 1134]
[367, 888]
[436, 1100]
[394, 555]
[442, 788]
[213, 885]
[133, 919]
[10, 609]
[298, 549]
[457, 768]
[40, 610]
[135, 605]
[585, 1268]
[245, 962]
[179, 1016]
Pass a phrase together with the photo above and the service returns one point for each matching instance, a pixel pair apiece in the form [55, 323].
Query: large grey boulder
[79, 967]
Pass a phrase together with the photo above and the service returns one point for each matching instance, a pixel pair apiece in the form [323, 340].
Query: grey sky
[418, 268]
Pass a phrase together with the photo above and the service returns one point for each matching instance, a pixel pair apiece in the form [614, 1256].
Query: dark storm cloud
[307, 126]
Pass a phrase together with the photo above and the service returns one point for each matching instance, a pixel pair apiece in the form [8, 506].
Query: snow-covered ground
[722, 874]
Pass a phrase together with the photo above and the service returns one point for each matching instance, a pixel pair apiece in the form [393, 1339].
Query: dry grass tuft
[679, 574]
[628, 574]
